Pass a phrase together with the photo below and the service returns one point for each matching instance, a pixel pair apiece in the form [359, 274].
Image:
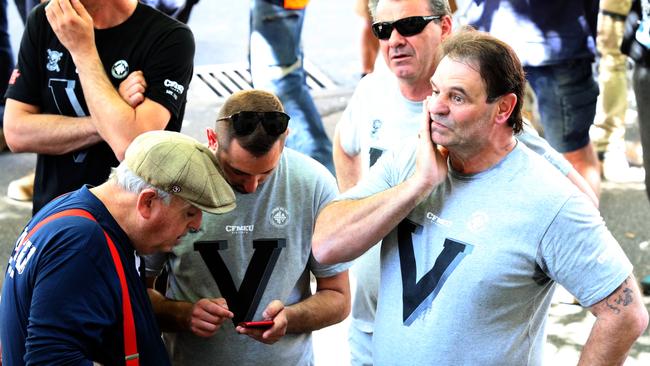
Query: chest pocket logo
[245, 301]
[120, 69]
[53, 58]
[279, 217]
[376, 125]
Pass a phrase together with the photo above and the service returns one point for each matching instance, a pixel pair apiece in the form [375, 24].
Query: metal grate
[225, 79]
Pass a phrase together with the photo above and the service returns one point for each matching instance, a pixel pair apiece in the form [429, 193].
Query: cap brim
[216, 210]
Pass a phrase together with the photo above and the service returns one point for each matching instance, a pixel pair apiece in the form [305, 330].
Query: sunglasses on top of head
[245, 122]
[406, 26]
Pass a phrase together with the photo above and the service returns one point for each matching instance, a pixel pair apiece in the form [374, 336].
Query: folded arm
[114, 118]
[27, 130]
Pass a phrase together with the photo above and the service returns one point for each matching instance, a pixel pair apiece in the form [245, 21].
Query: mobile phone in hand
[263, 324]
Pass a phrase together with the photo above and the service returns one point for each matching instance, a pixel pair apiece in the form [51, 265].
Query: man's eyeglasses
[406, 26]
[245, 122]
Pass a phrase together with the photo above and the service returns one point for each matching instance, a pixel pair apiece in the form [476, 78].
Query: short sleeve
[535, 142]
[350, 126]
[580, 253]
[392, 168]
[326, 270]
[170, 69]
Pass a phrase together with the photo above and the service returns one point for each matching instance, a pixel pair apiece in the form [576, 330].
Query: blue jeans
[566, 97]
[6, 57]
[25, 7]
[641, 85]
[276, 65]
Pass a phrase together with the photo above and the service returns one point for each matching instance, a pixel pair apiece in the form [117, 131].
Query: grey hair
[130, 182]
[437, 7]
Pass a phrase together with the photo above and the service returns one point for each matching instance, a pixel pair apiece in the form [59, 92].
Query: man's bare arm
[329, 305]
[27, 130]
[202, 318]
[349, 169]
[620, 319]
[346, 229]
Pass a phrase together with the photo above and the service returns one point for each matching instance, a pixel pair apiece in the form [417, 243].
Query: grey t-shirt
[379, 118]
[467, 277]
[271, 228]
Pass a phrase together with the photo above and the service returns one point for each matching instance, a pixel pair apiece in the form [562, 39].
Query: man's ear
[145, 202]
[505, 105]
[445, 26]
[213, 142]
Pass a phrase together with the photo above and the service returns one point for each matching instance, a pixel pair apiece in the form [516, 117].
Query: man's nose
[251, 184]
[195, 224]
[438, 105]
[395, 39]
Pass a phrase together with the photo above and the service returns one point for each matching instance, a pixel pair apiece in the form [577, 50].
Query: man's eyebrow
[237, 171]
[458, 89]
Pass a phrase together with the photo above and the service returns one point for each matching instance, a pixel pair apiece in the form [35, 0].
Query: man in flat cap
[72, 292]
[255, 262]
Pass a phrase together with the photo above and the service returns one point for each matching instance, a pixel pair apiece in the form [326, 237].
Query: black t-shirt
[150, 41]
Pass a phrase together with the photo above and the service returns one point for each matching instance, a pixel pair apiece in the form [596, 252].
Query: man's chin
[402, 70]
[439, 139]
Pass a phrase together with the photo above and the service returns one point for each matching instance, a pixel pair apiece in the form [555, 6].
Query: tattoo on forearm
[619, 298]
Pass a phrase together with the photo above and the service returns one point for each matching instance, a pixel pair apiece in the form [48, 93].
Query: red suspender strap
[130, 341]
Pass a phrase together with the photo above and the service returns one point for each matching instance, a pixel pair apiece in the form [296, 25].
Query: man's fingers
[136, 99]
[80, 9]
[52, 11]
[66, 7]
[207, 317]
[425, 127]
[273, 309]
[203, 328]
[215, 309]
[221, 302]
[136, 88]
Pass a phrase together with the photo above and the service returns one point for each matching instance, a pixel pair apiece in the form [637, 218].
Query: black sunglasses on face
[245, 122]
[406, 26]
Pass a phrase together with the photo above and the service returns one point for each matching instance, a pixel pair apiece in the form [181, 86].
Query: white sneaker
[616, 169]
[21, 189]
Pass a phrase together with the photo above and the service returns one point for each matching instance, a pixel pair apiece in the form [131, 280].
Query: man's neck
[109, 13]
[482, 158]
[116, 201]
[415, 92]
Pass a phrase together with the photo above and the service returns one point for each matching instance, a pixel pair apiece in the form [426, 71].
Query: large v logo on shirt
[414, 292]
[243, 302]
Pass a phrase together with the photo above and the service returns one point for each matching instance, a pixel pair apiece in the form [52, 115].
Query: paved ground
[624, 207]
